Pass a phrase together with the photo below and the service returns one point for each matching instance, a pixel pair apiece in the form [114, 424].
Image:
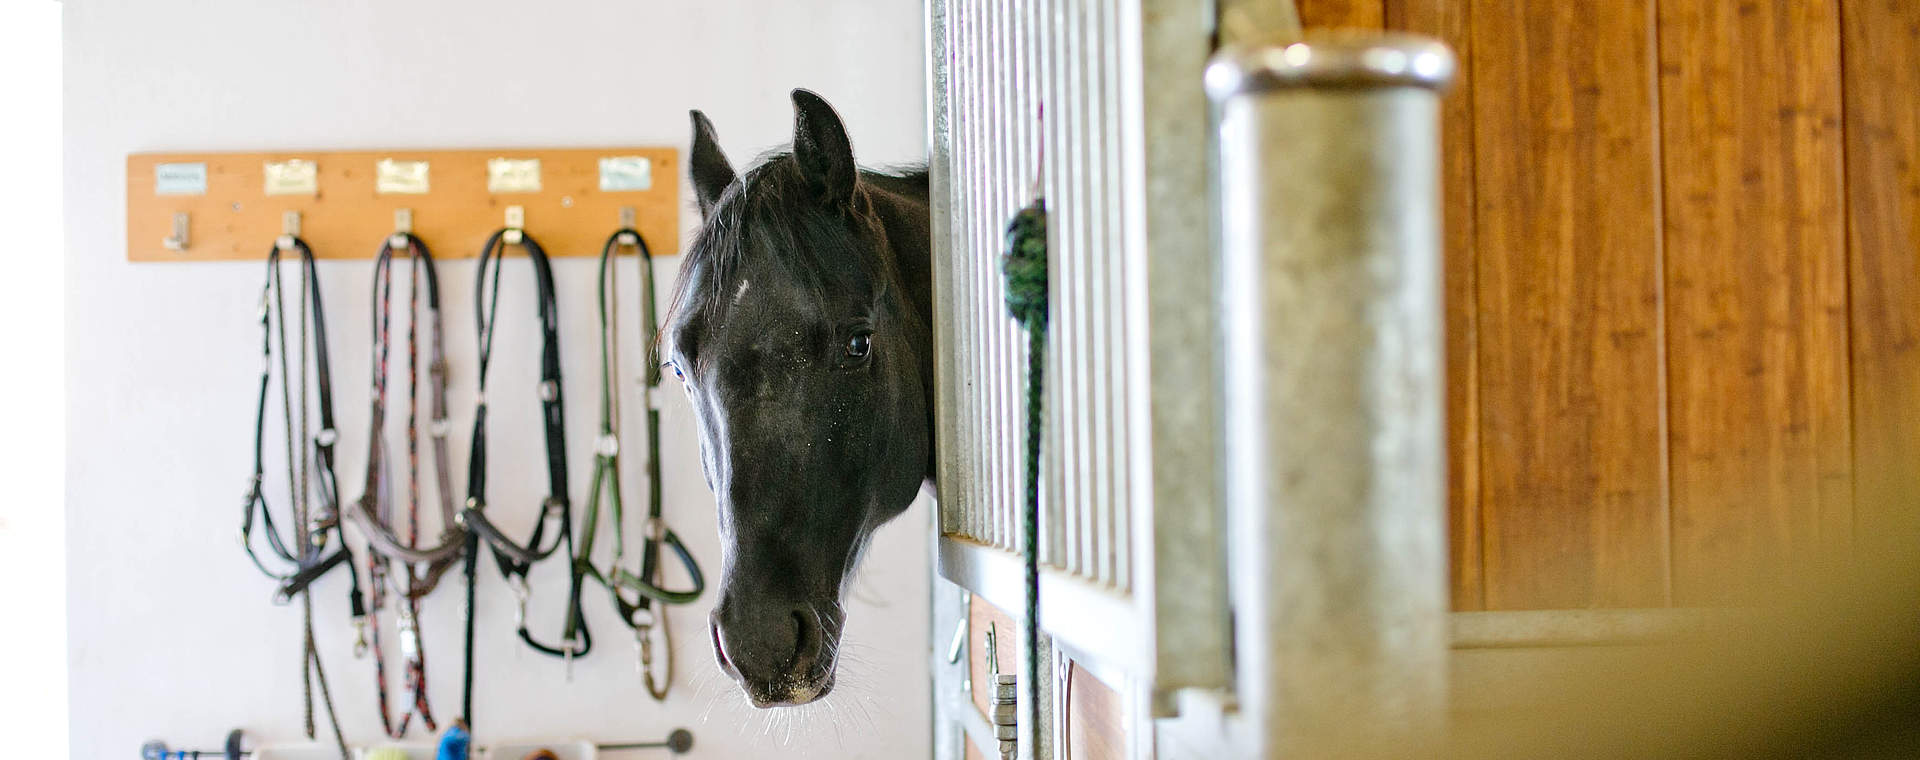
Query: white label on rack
[296, 176]
[180, 179]
[625, 173]
[513, 175]
[404, 177]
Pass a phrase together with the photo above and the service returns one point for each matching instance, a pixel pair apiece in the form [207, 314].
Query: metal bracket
[516, 221]
[402, 227]
[178, 240]
[289, 230]
[1005, 699]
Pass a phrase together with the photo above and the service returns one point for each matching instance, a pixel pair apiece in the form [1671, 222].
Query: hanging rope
[1025, 267]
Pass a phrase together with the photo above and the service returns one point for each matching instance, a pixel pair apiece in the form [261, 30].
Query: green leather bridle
[634, 594]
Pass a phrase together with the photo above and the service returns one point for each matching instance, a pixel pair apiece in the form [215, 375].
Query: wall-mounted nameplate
[513, 175]
[401, 177]
[625, 173]
[180, 178]
[294, 176]
[347, 204]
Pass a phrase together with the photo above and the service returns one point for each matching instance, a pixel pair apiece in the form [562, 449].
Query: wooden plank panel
[1756, 289]
[1450, 21]
[1571, 432]
[1096, 718]
[1882, 75]
[236, 220]
[1342, 14]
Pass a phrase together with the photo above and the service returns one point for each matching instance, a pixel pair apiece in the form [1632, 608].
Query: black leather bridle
[306, 557]
[514, 559]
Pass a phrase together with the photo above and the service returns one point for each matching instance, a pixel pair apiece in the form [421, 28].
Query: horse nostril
[803, 639]
[719, 649]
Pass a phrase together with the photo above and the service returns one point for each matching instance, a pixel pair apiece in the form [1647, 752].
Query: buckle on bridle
[552, 506]
[643, 649]
[409, 633]
[549, 390]
[439, 427]
[520, 593]
[656, 529]
[360, 636]
[326, 437]
[607, 445]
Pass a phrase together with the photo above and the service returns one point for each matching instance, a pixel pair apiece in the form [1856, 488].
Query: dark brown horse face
[803, 360]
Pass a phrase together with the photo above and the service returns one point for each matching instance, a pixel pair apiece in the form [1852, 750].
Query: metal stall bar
[1130, 500]
[1335, 451]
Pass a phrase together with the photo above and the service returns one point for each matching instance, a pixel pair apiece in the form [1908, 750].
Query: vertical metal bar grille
[1006, 61]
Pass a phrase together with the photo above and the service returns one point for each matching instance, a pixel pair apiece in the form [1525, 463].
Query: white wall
[171, 634]
[32, 525]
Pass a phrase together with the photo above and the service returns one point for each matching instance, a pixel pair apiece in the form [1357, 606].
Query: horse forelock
[767, 214]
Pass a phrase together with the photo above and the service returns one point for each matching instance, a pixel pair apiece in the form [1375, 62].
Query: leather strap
[512, 558]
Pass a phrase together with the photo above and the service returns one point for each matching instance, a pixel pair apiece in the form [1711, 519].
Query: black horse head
[801, 330]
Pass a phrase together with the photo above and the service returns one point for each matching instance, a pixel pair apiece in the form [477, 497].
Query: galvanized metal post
[1332, 366]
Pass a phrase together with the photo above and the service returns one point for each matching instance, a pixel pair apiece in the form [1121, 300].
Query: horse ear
[821, 148]
[711, 172]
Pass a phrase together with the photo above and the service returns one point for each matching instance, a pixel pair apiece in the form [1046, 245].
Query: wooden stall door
[1683, 288]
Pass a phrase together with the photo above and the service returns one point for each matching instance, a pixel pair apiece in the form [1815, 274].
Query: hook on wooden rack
[516, 221]
[289, 230]
[402, 228]
[178, 240]
[628, 217]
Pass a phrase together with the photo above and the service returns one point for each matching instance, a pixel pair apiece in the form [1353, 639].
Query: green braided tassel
[1025, 266]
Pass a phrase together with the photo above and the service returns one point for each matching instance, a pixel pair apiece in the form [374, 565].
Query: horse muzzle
[780, 658]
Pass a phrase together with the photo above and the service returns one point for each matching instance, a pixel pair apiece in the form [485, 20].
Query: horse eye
[859, 345]
[677, 374]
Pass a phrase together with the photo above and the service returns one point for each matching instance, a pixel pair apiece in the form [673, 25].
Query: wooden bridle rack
[346, 217]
